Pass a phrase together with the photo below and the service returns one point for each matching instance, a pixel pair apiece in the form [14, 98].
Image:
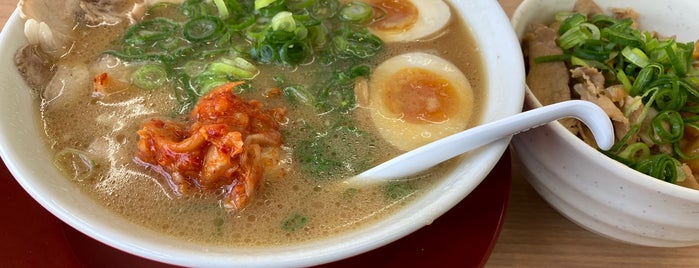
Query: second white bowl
[589, 188]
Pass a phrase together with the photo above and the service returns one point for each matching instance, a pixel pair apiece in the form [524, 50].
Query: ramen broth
[286, 209]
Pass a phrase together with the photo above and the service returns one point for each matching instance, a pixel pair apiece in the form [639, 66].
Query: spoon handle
[431, 154]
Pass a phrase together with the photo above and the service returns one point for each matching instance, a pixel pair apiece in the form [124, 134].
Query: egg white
[409, 133]
[433, 16]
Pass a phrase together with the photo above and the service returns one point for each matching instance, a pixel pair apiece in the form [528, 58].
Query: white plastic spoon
[431, 154]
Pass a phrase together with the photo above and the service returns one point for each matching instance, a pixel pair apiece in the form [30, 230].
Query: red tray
[463, 237]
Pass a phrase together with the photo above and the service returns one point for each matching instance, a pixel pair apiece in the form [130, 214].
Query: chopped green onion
[323, 9]
[678, 59]
[220, 68]
[243, 68]
[635, 152]
[623, 141]
[578, 35]
[147, 32]
[260, 4]
[621, 77]
[279, 37]
[264, 53]
[299, 4]
[357, 44]
[593, 50]
[240, 23]
[206, 81]
[575, 61]
[662, 167]
[356, 11]
[636, 56]
[670, 97]
[643, 79]
[222, 8]
[690, 88]
[667, 127]
[622, 38]
[298, 95]
[569, 21]
[603, 21]
[193, 8]
[294, 52]
[204, 28]
[193, 67]
[284, 21]
[359, 71]
[237, 67]
[149, 76]
[593, 31]
[572, 38]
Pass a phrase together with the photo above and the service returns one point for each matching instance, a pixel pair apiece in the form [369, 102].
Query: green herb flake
[294, 222]
[397, 189]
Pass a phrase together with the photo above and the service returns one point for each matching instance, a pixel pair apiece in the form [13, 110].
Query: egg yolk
[420, 96]
[416, 98]
[399, 15]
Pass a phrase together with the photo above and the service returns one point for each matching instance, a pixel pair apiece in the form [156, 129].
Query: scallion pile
[210, 42]
[658, 71]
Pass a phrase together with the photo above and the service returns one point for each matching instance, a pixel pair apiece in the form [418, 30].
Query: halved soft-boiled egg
[408, 20]
[416, 98]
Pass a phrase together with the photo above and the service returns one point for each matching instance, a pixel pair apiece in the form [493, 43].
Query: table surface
[534, 235]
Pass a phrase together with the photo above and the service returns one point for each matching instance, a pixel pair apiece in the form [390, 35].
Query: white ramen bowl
[585, 186]
[30, 163]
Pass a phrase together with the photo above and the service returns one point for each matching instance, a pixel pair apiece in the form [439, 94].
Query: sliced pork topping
[548, 81]
[34, 67]
[50, 27]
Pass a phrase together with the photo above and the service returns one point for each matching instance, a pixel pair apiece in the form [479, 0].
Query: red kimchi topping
[227, 145]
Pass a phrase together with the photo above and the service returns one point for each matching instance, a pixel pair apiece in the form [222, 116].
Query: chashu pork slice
[548, 81]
